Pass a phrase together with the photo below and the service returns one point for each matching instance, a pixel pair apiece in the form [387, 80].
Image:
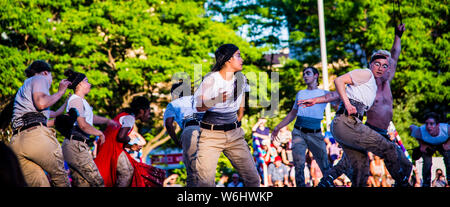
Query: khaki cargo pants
[356, 139]
[37, 149]
[232, 143]
[189, 139]
[83, 169]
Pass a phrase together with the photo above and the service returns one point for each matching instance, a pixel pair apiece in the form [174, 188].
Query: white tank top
[218, 86]
[86, 112]
[365, 92]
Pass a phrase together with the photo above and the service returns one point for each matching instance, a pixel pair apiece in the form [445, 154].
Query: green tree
[354, 29]
[125, 48]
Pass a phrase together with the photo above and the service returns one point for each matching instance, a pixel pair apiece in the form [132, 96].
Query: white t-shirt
[315, 111]
[439, 139]
[23, 102]
[213, 85]
[364, 88]
[180, 109]
[127, 121]
[83, 108]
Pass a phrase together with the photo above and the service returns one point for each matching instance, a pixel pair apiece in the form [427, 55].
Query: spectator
[333, 148]
[235, 181]
[223, 179]
[269, 152]
[439, 180]
[134, 146]
[285, 135]
[171, 181]
[260, 130]
[278, 173]
[378, 171]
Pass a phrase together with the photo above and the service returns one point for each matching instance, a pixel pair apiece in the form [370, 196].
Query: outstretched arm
[329, 97]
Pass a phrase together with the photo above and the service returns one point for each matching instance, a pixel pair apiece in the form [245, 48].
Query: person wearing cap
[181, 110]
[277, 173]
[75, 147]
[34, 144]
[221, 94]
[235, 181]
[307, 132]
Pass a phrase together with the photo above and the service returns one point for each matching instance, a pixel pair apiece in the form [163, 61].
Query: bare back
[380, 114]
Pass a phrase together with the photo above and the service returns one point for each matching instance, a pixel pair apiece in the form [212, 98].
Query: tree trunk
[156, 142]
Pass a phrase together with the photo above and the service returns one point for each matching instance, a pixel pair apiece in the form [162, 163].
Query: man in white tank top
[383, 65]
[432, 137]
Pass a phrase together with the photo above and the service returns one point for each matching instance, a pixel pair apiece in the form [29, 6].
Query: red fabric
[108, 154]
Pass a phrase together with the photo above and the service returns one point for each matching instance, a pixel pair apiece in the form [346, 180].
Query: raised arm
[395, 51]
[43, 101]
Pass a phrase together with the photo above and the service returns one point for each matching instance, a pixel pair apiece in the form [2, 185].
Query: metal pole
[323, 54]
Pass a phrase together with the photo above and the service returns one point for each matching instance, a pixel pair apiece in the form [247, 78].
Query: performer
[181, 110]
[221, 94]
[75, 147]
[378, 116]
[307, 131]
[432, 136]
[34, 144]
[116, 166]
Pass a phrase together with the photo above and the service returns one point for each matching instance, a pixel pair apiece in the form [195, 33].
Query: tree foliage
[125, 48]
[354, 29]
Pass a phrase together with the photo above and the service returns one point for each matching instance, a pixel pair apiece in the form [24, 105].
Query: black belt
[81, 139]
[222, 127]
[191, 123]
[29, 126]
[307, 130]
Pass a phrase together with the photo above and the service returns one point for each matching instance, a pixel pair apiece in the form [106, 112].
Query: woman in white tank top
[221, 95]
[76, 151]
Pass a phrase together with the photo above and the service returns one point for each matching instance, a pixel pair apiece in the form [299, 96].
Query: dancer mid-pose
[379, 115]
[34, 144]
[75, 147]
[221, 94]
[307, 131]
[432, 137]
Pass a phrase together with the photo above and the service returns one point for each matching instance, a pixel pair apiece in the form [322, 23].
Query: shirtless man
[380, 113]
